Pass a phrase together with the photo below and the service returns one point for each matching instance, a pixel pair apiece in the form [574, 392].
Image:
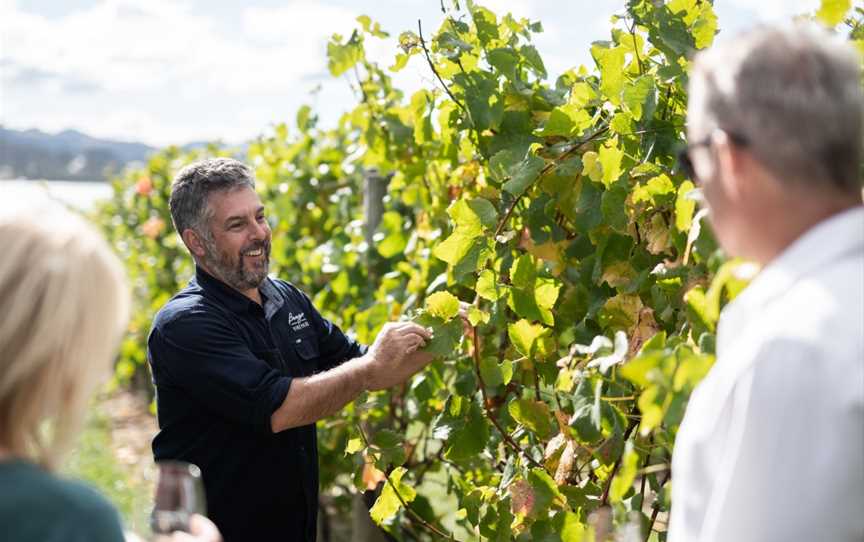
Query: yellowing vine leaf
[442, 305]
[591, 166]
[388, 503]
[525, 335]
[610, 157]
[620, 311]
[657, 235]
[354, 446]
[831, 12]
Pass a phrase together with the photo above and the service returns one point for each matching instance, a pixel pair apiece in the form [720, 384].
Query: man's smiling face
[238, 247]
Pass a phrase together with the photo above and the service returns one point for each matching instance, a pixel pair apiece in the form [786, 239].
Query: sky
[174, 71]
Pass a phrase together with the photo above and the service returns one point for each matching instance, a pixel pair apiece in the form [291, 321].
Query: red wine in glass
[179, 494]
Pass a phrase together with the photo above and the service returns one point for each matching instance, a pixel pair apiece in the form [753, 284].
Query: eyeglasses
[685, 163]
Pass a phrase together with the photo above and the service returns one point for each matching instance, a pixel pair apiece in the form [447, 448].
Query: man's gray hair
[793, 94]
[194, 184]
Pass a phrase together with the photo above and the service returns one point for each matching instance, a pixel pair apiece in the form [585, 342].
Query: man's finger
[402, 328]
[416, 329]
[204, 529]
[412, 348]
[398, 326]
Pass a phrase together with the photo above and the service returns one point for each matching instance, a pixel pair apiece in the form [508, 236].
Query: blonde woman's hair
[64, 304]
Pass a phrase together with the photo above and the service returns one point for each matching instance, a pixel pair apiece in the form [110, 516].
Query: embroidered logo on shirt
[297, 321]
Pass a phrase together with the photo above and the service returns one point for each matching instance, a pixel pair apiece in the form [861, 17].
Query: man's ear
[194, 242]
[733, 163]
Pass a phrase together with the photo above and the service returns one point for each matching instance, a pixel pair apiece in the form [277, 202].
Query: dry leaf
[644, 329]
[565, 463]
[372, 476]
[522, 497]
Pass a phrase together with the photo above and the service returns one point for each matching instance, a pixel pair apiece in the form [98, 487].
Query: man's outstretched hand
[394, 355]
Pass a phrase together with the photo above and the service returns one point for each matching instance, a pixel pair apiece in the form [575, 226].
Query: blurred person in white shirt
[772, 444]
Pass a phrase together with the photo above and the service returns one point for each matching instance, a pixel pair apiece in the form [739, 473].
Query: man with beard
[244, 365]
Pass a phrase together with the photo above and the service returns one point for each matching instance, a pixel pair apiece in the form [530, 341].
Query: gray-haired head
[194, 184]
[793, 93]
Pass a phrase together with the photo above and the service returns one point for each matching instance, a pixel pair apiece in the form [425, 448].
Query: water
[81, 195]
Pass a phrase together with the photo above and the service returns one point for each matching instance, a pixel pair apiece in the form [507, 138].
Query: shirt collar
[236, 301]
[271, 296]
[826, 242]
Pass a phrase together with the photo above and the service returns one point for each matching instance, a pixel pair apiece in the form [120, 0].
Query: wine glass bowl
[179, 494]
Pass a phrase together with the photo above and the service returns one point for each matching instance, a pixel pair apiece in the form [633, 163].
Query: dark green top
[36, 506]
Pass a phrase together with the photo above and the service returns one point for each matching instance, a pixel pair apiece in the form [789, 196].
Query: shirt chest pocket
[305, 348]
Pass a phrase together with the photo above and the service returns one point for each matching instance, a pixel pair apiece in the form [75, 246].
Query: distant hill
[74, 156]
[71, 155]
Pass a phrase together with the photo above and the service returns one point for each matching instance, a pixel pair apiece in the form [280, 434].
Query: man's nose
[260, 230]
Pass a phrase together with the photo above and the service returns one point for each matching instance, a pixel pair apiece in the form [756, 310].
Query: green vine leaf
[534, 415]
[523, 174]
[446, 335]
[343, 56]
[610, 61]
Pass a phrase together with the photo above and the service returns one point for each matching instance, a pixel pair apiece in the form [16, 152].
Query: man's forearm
[312, 398]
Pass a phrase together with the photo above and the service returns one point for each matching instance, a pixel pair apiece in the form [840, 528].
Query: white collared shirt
[772, 445]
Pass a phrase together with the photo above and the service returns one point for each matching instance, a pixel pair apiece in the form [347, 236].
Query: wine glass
[179, 494]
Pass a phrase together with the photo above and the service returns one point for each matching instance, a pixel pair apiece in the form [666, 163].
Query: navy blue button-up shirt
[222, 364]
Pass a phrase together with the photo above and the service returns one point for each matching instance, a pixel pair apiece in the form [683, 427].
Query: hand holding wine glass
[180, 505]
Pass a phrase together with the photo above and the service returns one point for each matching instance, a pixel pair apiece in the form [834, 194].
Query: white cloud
[144, 61]
[770, 10]
[519, 8]
[297, 22]
[132, 45]
[169, 72]
[116, 44]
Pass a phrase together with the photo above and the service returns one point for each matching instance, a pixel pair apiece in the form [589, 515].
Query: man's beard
[232, 271]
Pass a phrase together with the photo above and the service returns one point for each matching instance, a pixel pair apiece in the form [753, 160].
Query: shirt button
[298, 341]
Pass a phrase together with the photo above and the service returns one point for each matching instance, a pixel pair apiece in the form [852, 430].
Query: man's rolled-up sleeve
[203, 355]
